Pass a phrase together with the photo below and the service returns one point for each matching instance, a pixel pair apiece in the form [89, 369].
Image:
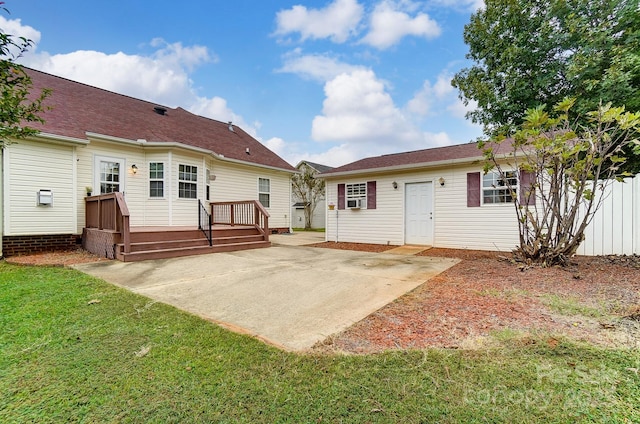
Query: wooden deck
[236, 225]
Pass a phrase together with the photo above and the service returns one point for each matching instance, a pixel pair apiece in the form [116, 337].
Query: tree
[17, 107]
[530, 52]
[570, 165]
[309, 190]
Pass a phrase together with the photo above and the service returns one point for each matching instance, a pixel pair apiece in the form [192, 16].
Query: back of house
[164, 161]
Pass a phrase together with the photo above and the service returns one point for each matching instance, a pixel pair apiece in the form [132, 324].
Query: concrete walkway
[289, 296]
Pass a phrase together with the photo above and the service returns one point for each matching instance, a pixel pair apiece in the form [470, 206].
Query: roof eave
[406, 167]
[175, 144]
[60, 139]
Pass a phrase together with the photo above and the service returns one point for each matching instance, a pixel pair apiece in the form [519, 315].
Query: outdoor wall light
[441, 181]
[395, 185]
[134, 168]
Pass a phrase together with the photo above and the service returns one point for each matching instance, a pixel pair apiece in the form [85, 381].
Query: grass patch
[571, 306]
[73, 348]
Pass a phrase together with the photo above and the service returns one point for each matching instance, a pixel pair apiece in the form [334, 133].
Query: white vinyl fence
[615, 229]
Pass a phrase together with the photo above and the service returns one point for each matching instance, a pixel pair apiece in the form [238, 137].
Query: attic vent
[160, 110]
[231, 126]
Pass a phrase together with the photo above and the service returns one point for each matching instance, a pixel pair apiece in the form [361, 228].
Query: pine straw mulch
[486, 297]
[57, 258]
[596, 299]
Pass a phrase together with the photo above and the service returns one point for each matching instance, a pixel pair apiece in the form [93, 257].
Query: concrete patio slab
[290, 296]
[407, 249]
[297, 238]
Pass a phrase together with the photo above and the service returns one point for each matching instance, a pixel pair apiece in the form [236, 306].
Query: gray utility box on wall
[45, 198]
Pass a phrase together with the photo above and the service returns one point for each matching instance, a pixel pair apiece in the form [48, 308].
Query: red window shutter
[341, 201]
[527, 191]
[371, 194]
[473, 189]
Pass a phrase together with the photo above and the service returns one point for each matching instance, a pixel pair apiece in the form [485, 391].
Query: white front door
[109, 175]
[419, 213]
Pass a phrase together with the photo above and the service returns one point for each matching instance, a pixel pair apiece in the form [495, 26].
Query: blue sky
[330, 81]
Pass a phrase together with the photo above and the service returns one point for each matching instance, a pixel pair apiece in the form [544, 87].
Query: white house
[163, 161]
[297, 209]
[440, 197]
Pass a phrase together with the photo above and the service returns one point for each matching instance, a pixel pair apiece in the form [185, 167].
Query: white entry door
[419, 213]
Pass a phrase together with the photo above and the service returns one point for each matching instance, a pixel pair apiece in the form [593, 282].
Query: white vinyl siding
[66, 170]
[238, 182]
[455, 225]
[184, 211]
[30, 167]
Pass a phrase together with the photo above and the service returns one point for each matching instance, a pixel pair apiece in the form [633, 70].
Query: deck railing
[247, 212]
[204, 222]
[109, 212]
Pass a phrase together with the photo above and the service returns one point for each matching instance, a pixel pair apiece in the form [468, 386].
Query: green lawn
[73, 348]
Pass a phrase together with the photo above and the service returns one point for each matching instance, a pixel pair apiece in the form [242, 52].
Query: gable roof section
[318, 167]
[459, 153]
[78, 109]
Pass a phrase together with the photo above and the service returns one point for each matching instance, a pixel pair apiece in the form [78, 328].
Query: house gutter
[58, 139]
[174, 144]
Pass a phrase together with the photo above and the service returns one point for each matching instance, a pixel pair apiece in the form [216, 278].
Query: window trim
[97, 188]
[162, 180]
[194, 172]
[267, 193]
[515, 188]
[362, 193]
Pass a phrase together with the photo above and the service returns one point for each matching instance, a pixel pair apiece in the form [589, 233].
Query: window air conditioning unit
[354, 203]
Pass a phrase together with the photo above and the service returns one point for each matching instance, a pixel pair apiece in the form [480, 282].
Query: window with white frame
[109, 176]
[264, 191]
[187, 182]
[497, 189]
[356, 195]
[156, 179]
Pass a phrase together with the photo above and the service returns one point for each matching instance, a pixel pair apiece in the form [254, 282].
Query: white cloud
[390, 22]
[358, 108]
[276, 144]
[337, 21]
[162, 77]
[315, 66]
[466, 5]
[423, 101]
[14, 27]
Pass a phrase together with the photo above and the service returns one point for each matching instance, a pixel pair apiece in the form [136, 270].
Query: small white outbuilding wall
[615, 228]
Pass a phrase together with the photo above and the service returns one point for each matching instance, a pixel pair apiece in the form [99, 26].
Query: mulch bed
[485, 294]
[57, 258]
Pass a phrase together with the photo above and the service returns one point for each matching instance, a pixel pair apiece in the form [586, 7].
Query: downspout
[290, 203]
[337, 226]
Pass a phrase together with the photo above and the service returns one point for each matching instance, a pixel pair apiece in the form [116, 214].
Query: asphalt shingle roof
[78, 108]
[318, 167]
[415, 158]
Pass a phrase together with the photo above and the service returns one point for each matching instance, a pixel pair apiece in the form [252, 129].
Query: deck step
[162, 244]
[189, 251]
